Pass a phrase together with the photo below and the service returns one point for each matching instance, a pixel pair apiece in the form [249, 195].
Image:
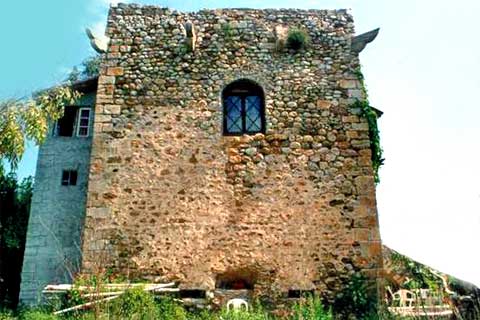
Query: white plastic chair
[404, 298]
[237, 304]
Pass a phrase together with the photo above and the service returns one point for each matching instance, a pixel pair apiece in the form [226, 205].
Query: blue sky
[422, 71]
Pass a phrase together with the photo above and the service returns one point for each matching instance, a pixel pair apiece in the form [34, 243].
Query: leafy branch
[22, 120]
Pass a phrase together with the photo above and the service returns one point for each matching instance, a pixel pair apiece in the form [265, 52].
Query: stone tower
[222, 159]
[53, 246]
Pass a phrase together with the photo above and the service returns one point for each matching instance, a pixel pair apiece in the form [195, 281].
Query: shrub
[203, 315]
[311, 308]
[244, 315]
[134, 304]
[356, 298]
[37, 314]
[227, 30]
[6, 315]
[297, 39]
[168, 309]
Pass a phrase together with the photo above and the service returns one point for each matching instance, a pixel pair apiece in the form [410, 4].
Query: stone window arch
[243, 108]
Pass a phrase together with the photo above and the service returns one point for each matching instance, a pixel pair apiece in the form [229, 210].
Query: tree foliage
[29, 119]
[15, 199]
[89, 68]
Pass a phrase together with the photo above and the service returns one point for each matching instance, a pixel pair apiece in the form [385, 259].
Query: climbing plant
[420, 276]
[369, 113]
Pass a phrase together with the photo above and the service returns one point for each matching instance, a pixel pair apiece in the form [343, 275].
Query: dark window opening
[236, 280]
[297, 294]
[192, 294]
[66, 123]
[243, 108]
[69, 178]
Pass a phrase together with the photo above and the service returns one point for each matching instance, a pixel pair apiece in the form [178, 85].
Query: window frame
[243, 88]
[67, 182]
[79, 119]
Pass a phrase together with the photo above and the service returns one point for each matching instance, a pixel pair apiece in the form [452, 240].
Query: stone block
[101, 118]
[324, 104]
[362, 126]
[106, 80]
[114, 71]
[107, 127]
[99, 213]
[365, 184]
[355, 94]
[112, 109]
[349, 84]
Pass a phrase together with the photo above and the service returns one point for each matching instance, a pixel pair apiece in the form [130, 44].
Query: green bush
[134, 304]
[203, 315]
[311, 309]
[297, 39]
[356, 298]
[6, 315]
[256, 314]
[168, 309]
[37, 314]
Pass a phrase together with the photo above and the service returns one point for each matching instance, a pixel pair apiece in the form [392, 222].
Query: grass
[139, 305]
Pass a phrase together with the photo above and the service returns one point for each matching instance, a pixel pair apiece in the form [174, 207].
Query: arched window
[243, 108]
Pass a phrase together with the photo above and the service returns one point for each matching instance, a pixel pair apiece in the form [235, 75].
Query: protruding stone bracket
[360, 42]
[191, 38]
[280, 32]
[98, 44]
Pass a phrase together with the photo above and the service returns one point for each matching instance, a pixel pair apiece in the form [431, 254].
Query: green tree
[15, 199]
[29, 119]
[91, 66]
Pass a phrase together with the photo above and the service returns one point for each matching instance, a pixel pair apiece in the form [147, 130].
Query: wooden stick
[85, 305]
[58, 288]
[113, 293]
[88, 304]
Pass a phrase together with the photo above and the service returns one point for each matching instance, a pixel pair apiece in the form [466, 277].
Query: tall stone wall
[53, 245]
[170, 197]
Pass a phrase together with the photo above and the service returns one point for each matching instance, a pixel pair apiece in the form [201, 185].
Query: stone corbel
[98, 44]
[360, 42]
[280, 32]
[191, 37]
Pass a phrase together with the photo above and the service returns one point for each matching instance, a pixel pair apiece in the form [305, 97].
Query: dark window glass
[296, 294]
[253, 114]
[243, 108]
[69, 177]
[73, 178]
[65, 178]
[66, 123]
[233, 110]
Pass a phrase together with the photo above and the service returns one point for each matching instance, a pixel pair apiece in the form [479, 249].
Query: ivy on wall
[374, 134]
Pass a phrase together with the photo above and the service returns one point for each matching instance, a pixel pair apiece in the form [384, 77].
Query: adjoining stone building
[220, 159]
[57, 213]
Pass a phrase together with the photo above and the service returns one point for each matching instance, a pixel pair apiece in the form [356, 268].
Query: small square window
[69, 178]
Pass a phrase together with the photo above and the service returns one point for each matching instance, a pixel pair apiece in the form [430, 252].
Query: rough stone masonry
[172, 198]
